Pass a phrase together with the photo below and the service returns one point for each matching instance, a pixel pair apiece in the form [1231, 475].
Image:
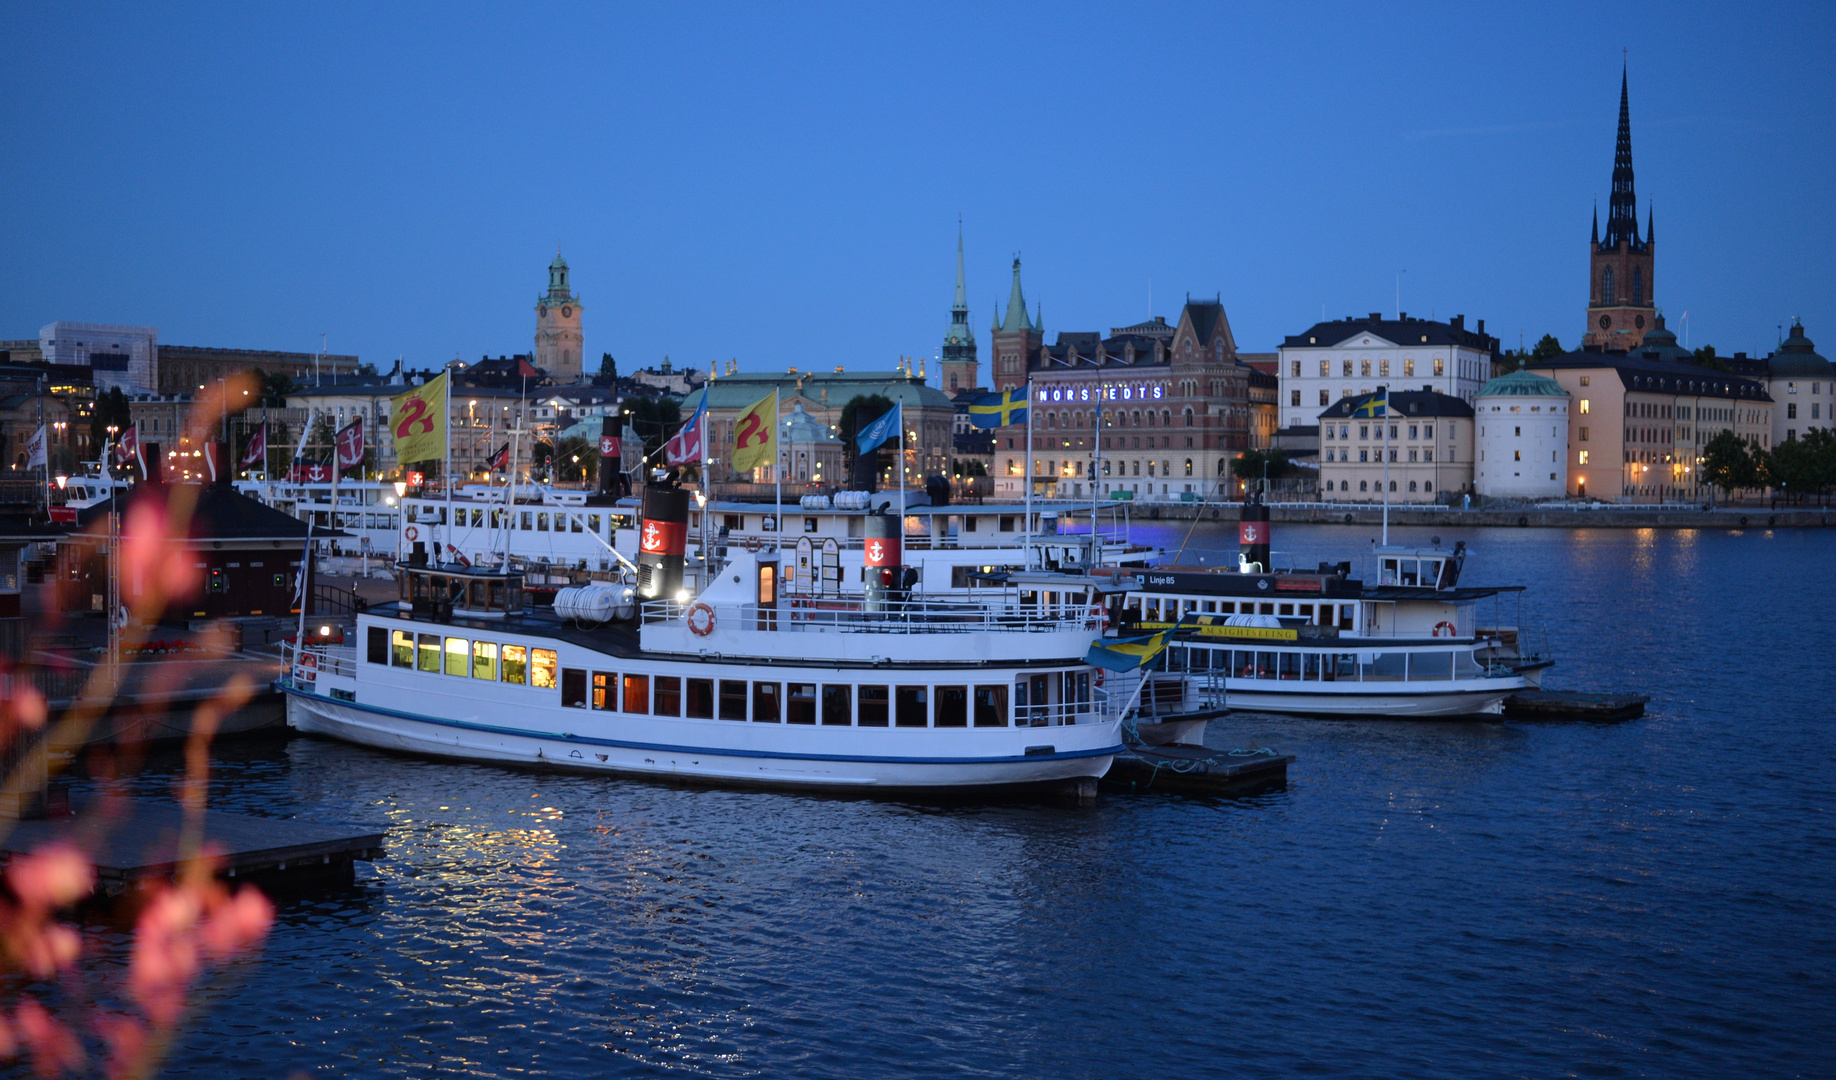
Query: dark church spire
[1622, 208]
[1596, 224]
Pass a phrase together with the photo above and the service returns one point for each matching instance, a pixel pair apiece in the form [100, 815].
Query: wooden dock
[1574, 705]
[130, 840]
[1197, 770]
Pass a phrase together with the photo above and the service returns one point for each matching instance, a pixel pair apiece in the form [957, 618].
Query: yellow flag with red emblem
[755, 435]
[417, 421]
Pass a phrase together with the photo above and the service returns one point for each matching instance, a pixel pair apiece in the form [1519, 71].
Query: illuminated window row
[464, 658]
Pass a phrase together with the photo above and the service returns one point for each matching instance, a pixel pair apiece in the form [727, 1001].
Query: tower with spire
[558, 342]
[958, 370]
[1017, 337]
[1620, 296]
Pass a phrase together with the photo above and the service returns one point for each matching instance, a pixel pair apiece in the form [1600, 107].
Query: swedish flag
[999, 410]
[1128, 654]
[1377, 404]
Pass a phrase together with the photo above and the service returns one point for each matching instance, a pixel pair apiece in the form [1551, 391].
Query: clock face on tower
[1605, 321]
[567, 313]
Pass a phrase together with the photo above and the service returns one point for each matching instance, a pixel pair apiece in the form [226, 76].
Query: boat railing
[302, 667]
[847, 615]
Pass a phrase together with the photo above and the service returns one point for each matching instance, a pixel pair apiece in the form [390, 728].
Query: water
[1650, 898]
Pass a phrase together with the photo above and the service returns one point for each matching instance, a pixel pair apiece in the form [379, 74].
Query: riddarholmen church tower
[958, 370]
[557, 340]
[1620, 303]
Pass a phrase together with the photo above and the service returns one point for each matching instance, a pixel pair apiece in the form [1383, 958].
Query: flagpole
[1385, 391]
[901, 412]
[1096, 462]
[1027, 540]
[452, 531]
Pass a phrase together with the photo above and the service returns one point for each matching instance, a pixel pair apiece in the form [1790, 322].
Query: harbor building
[132, 358]
[1638, 424]
[558, 343]
[1622, 290]
[1331, 361]
[1802, 385]
[1521, 438]
[1428, 448]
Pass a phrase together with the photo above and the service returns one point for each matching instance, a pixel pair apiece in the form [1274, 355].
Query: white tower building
[1522, 437]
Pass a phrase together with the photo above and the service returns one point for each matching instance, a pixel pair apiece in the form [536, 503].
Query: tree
[111, 410]
[608, 367]
[274, 388]
[655, 419]
[366, 368]
[861, 410]
[576, 458]
[1254, 465]
[1547, 348]
[1727, 463]
[1706, 357]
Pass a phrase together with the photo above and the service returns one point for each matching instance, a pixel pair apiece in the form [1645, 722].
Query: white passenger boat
[740, 683]
[1414, 644]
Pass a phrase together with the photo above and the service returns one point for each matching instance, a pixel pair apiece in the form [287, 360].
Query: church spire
[1596, 224]
[1016, 319]
[962, 293]
[1622, 207]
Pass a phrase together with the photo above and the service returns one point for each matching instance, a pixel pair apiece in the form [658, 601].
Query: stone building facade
[558, 342]
[1427, 449]
[1522, 437]
[1347, 357]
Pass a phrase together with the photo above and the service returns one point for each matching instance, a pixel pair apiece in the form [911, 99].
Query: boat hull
[1072, 753]
[1251, 695]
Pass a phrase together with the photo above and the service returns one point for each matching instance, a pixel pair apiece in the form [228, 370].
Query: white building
[118, 356]
[1421, 446]
[1347, 357]
[1522, 438]
[1803, 388]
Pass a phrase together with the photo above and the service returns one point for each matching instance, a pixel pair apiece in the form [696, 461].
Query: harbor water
[1460, 899]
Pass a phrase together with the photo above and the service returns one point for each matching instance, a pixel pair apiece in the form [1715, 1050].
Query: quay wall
[1605, 517]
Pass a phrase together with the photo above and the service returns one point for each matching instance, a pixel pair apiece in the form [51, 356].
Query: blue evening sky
[781, 184]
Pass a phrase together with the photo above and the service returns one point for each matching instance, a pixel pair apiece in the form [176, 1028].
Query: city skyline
[722, 187]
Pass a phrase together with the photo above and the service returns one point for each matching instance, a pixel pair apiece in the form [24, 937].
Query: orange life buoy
[411, 533]
[1444, 626]
[752, 543]
[700, 620]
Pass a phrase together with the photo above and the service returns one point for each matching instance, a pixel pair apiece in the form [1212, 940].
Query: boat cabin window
[637, 694]
[573, 688]
[953, 704]
[456, 658]
[911, 707]
[837, 703]
[542, 668]
[765, 702]
[800, 703]
[516, 664]
[991, 706]
[484, 660]
[605, 691]
[401, 648]
[666, 697]
[429, 645]
[874, 708]
[732, 699]
[700, 699]
[377, 646]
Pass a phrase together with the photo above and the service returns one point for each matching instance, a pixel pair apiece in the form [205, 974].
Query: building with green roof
[1521, 437]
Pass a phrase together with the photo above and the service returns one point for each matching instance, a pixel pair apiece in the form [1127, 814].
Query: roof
[220, 513]
[1206, 315]
[1798, 356]
[1404, 331]
[1658, 376]
[1404, 403]
[741, 390]
[1522, 384]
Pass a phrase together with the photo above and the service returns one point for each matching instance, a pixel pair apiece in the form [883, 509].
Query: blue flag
[886, 427]
[999, 410]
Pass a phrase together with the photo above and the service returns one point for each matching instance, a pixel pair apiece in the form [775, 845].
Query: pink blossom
[54, 1049]
[51, 877]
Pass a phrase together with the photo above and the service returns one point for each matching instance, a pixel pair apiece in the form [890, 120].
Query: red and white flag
[311, 472]
[256, 453]
[128, 448]
[684, 448]
[349, 442]
[500, 460]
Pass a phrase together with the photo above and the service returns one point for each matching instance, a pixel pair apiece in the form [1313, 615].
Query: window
[875, 711]
[765, 702]
[1296, 369]
[1428, 454]
[1581, 458]
[838, 703]
[991, 706]
[1364, 485]
[911, 706]
[1427, 431]
[1413, 431]
[953, 703]
[666, 695]
[701, 699]
[636, 687]
[484, 660]
[1325, 372]
[1440, 366]
[1294, 397]
[516, 664]
[457, 649]
[573, 688]
[542, 668]
[1606, 287]
[1325, 399]
[733, 699]
[401, 652]
[1791, 410]
[429, 645]
[1583, 435]
[1517, 455]
[1364, 454]
[1364, 368]
[1584, 382]
[1383, 367]
[1585, 402]
[605, 691]
[1345, 369]
[800, 706]
[378, 650]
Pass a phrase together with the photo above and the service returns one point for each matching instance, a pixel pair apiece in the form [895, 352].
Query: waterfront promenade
[1547, 515]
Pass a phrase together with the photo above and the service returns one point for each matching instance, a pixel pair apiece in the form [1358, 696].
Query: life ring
[411, 533]
[752, 543]
[1099, 678]
[700, 619]
[1101, 615]
[1444, 626]
[122, 617]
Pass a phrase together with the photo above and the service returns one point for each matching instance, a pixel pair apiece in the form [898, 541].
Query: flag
[1128, 654]
[500, 460]
[256, 453]
[349, 443]
[417, 421]
[755, 435]
[999, 410]
[310, 472]
[35, 448]
[1377, 404]
[886, 427]
[684, 447]
[128, 448]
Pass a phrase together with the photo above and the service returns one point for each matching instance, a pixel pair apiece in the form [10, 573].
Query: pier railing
[845, 616]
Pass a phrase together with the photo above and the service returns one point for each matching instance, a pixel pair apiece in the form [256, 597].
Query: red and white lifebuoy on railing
[1099, 615]
[1445, 629]
[753, 543]
[411, 533]
[700, 619]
